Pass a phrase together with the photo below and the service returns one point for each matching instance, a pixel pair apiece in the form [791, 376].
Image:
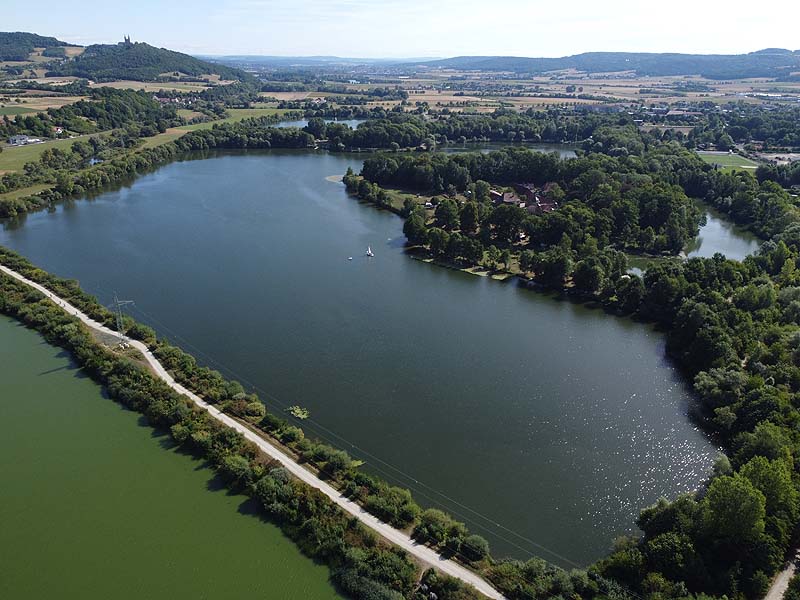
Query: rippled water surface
[516, 411]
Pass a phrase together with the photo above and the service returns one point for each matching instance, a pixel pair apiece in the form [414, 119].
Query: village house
[506, 198]
[537, 201]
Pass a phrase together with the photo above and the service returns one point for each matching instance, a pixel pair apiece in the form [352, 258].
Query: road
[781, 581]
[423, 553]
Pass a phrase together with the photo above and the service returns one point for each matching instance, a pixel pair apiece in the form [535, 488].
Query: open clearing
[12, 158]
[27, 191]
[728, 161]
[15, 110]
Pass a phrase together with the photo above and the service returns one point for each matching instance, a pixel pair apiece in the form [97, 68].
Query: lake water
[94, 504]
[543, 424]
[718, 235]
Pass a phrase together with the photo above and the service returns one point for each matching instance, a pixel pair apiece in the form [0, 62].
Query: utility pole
[118, 304]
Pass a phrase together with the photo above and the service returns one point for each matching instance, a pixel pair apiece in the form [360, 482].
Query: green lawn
[14, 110]
[729, 161]
[28, 191]
[13, 157]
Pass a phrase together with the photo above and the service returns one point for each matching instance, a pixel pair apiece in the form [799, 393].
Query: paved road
[422, 553]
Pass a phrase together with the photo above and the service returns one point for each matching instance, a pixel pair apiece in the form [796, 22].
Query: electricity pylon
[118, 304]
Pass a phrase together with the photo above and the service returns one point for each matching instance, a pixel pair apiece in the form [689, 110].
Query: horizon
[356, 29]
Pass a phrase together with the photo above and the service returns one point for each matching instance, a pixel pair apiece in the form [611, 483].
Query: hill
[18, 45]
[139, 62]
[772, 62]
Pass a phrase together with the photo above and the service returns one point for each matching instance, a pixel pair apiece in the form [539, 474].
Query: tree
[415, 230]
[589, 275]
[505, 258]
[469, 218]
[438, 240]
[447, 214]
[492, 256]
[475, 548]
[526, 260]
[507, 221]
[734, 512]
[316, 127]
[482, 189]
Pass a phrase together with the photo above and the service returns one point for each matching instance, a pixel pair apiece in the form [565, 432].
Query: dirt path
[422, 553]
[781, 581]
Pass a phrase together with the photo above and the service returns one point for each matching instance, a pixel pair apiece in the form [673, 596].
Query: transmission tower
[118, 304]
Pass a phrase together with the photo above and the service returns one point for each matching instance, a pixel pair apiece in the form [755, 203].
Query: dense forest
[139, 62]
[19, 45]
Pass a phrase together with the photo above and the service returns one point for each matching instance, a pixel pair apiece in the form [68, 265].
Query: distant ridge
[139, 62]
[770, 62]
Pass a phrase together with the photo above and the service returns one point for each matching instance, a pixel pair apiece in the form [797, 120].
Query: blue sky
[403, 28]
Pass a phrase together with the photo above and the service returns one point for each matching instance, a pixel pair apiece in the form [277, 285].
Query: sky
[416, 28]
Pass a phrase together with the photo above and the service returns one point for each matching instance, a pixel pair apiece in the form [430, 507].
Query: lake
[95, 504]
[545, 425]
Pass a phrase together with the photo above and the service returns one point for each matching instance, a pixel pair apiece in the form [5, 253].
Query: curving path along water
[423, 553]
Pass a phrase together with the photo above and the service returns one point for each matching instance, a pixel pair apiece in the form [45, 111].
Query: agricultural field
[30, 103]
[13, 110]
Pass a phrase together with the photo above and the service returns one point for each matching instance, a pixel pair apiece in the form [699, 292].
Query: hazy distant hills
[772, 62]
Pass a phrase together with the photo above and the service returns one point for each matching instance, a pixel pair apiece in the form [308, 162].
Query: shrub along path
[422, 553]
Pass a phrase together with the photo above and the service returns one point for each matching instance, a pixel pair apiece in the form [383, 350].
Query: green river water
[94, 504]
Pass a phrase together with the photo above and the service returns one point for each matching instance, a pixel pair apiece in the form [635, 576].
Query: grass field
[729, 162]
[12, 158]
[162, 138]
[14, 110]
[23, 192]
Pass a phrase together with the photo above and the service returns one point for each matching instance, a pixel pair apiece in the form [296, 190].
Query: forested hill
[18, 45]
[139, 62]
[772, 62]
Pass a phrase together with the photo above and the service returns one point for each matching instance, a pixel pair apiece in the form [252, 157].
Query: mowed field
[14, 110]
[37, 103]
[729, 161]
[12, 158]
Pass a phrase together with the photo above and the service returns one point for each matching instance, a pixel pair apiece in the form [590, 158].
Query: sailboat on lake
[370, 253]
